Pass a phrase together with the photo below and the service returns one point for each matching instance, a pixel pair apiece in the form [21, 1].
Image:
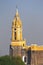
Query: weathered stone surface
[36, 58]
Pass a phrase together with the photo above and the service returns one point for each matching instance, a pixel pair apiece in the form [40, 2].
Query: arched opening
[23, 44]
[24, 58]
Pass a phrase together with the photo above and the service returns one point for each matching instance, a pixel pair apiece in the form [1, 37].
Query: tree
[9, 60]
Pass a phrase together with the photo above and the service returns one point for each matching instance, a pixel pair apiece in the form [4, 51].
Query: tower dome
[16, 21]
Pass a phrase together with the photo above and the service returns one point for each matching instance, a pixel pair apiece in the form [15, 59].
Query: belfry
[31, 55]
[16, 28]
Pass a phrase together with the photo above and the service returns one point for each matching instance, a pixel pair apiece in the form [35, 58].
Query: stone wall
[17, 51]
[36, 57]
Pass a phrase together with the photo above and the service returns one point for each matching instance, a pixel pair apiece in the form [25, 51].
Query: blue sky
[31, 14]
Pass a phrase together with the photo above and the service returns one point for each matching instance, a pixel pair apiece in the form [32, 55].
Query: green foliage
[8, 60]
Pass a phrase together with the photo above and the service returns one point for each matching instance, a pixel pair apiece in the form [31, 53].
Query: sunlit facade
[31, 55]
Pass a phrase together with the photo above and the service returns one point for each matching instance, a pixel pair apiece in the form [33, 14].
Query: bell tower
[16, 28]
[17, 41]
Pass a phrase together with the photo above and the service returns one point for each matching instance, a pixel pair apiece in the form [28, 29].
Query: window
[15, 35]
[23, 44]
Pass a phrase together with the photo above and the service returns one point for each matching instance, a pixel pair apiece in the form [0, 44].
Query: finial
[16, 7]
[16, 10]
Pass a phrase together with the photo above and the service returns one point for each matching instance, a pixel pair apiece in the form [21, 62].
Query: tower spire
[17, 11]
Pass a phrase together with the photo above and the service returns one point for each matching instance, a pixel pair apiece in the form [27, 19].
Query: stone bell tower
[17, 41]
